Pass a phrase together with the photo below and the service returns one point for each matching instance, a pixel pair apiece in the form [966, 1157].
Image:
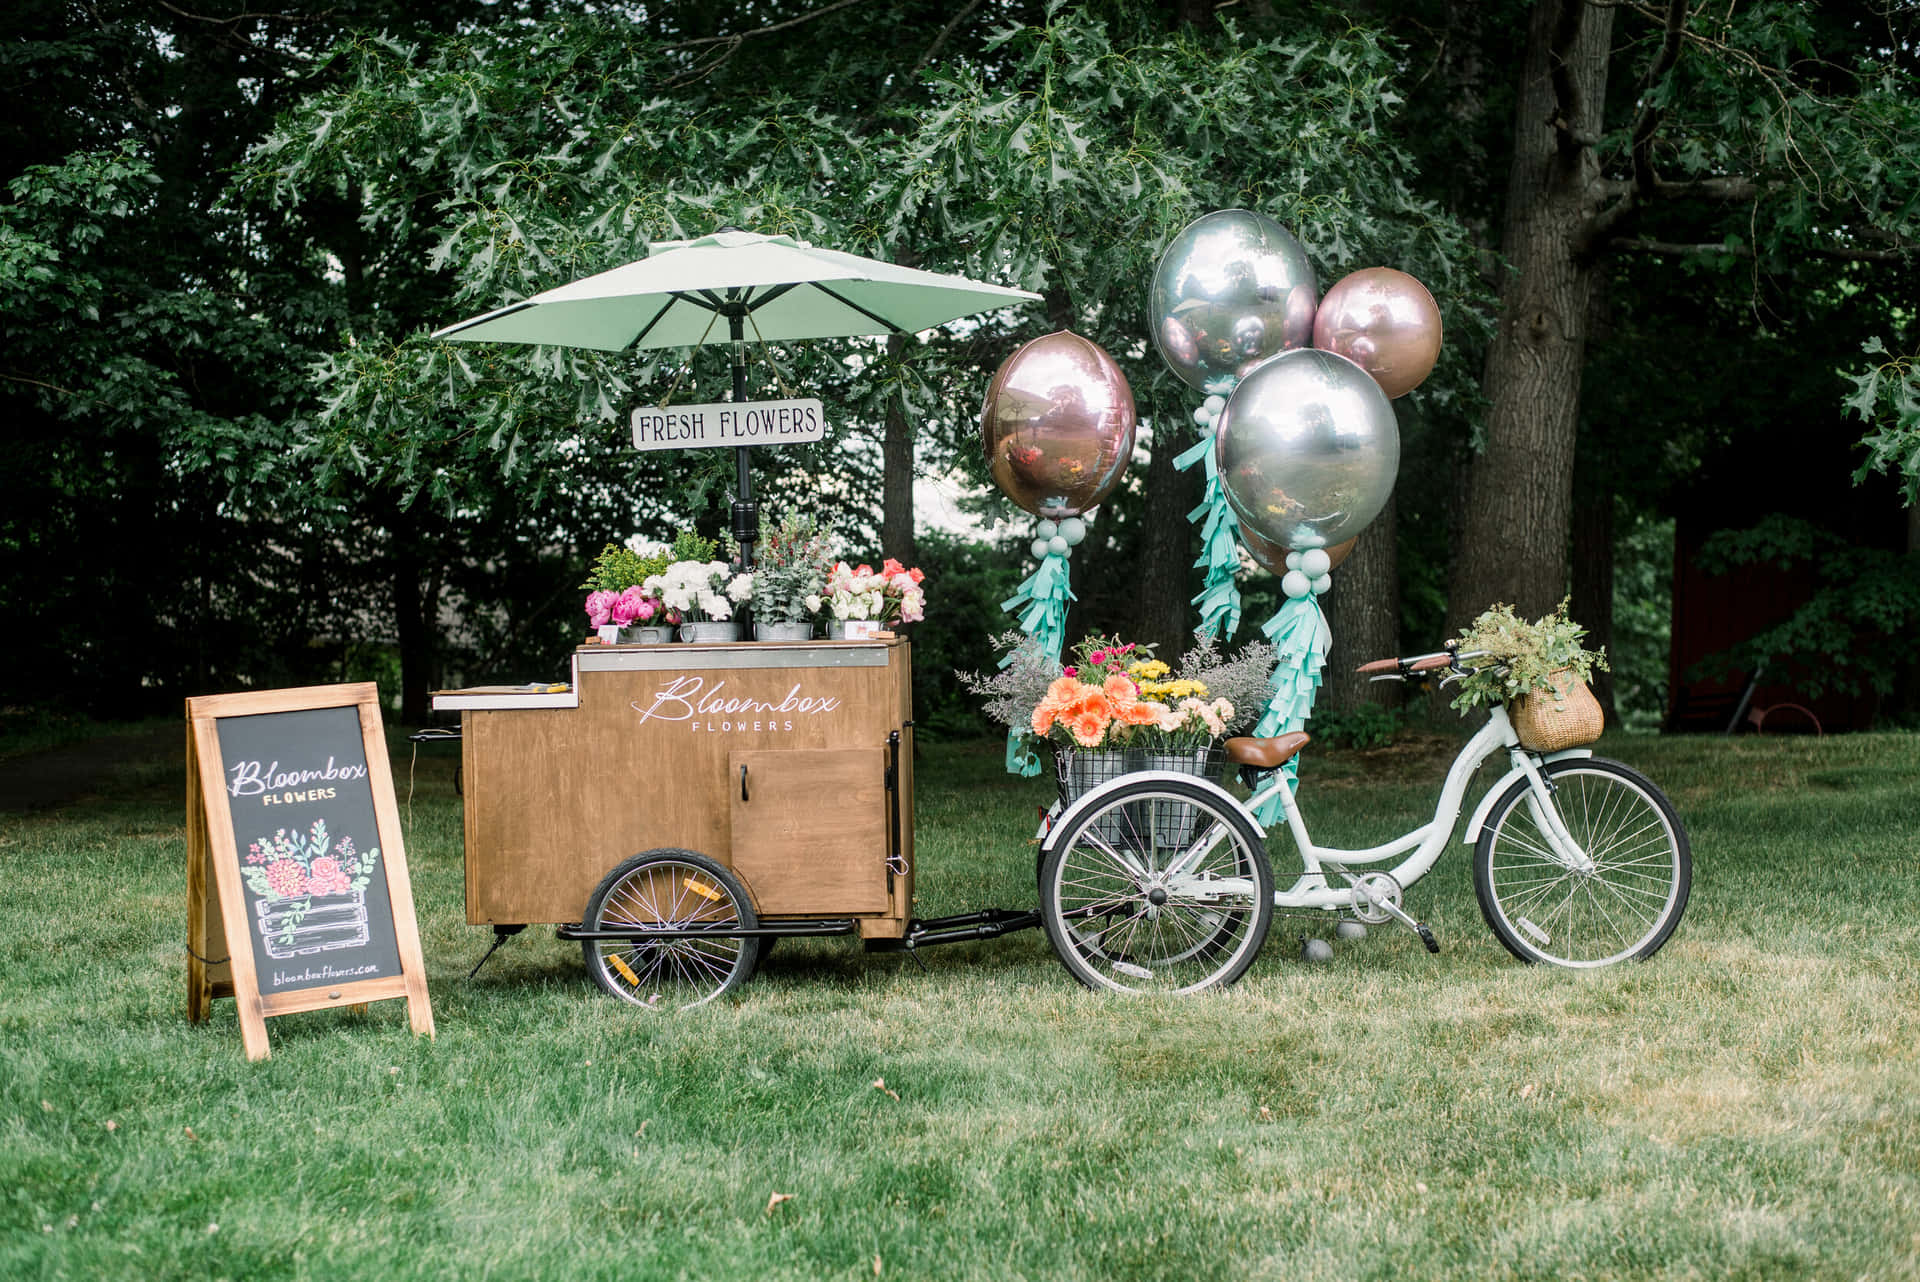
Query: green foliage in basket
[1517, 658]
[618, 568]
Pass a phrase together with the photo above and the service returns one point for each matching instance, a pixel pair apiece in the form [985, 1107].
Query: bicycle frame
[1421, 848]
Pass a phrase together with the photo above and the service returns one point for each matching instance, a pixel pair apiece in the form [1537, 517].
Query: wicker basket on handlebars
[1568, 716]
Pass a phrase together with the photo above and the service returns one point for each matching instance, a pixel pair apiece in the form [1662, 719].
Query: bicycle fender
[1096, 796]
[1494, 793]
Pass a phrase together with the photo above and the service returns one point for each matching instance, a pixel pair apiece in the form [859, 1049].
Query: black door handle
[743, 783]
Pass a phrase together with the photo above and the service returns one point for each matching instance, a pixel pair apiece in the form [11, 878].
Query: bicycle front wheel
[1624, 906]
[1164, 888]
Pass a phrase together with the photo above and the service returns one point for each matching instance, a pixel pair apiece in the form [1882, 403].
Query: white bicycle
[1161, 882]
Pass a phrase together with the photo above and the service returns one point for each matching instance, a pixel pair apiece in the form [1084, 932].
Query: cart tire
[662, 889]
[1117, 925]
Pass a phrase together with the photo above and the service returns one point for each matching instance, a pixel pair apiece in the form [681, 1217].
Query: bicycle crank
[1376, 899]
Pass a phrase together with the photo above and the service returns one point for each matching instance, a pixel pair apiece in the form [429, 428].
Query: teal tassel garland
[1300, 637]
[1219, 598]
[1040, 607]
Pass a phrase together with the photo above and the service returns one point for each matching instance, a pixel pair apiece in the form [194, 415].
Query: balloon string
[1300, 638]
[681, 376]
[1040, 606]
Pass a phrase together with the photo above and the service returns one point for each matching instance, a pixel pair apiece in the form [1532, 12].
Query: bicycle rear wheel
[1163, 888]
[1624, 907]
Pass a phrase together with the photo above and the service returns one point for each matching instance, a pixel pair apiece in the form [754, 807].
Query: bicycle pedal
[1426, 937]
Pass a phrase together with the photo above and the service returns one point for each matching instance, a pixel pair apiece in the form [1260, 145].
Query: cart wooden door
[810, 828]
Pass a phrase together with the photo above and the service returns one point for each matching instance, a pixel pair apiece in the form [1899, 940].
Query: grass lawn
[1746, 1105]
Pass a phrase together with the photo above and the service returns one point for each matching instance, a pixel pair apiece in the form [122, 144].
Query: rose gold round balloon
[1386, 322]
[1058, 425]
[1271, 556]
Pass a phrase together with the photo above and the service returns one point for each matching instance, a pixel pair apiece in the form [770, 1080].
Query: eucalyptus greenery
[1511, 657]
[790, 567]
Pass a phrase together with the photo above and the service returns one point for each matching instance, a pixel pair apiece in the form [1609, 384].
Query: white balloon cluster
[1058, 538]
[1208, 415]
[1308, 573]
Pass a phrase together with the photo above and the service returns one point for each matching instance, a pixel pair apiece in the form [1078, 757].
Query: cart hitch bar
[989, 923]
[666, 934]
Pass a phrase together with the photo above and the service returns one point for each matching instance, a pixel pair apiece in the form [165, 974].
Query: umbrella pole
[746, 513]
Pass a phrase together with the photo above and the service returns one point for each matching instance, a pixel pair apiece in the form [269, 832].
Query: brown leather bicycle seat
[1266, 754]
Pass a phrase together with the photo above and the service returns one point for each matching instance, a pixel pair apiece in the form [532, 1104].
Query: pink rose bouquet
[889, 593]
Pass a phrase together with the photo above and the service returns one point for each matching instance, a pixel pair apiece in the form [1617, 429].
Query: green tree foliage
[1059, 154]
[1887, 397]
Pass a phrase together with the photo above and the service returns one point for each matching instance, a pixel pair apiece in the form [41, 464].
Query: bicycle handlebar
[1452, 662]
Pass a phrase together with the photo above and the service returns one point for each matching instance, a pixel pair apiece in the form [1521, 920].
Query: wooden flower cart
[678, 807]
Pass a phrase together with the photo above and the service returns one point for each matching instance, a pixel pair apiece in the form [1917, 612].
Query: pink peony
[600, 607]
[286, 879]
[626, 607]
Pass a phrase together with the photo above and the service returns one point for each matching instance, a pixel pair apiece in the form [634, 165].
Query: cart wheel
[1165, 888]
[664, 889]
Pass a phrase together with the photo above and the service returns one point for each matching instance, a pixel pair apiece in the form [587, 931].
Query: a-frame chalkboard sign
[297, 891]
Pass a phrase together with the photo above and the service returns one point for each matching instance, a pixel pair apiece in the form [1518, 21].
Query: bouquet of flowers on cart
[791, 564]
[693, 585]
[616, 593]
[1114, 695]
[891, 593]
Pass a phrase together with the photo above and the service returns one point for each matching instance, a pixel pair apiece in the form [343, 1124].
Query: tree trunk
[896, 476]
[1363, 612]
[1166, 578]
[1593, 580]
[416, 612]
[1519, 495]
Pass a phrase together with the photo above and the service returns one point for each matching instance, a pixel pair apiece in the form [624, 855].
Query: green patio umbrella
[779, 287]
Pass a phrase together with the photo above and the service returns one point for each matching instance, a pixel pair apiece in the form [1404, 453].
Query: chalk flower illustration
[290, 868]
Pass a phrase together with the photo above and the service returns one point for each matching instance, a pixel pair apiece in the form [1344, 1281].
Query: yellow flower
[1148, 670]
[1181, 689]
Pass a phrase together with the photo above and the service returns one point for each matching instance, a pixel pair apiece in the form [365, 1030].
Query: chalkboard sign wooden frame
[223, 957]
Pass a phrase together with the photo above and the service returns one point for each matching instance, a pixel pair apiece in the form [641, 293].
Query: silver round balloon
[1232, 289]
[1307, 450]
